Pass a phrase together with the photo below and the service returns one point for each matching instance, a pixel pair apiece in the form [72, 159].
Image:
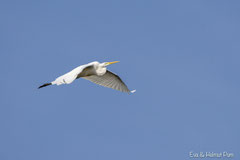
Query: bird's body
[95, 72]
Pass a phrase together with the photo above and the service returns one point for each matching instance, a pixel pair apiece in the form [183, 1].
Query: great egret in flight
[95, 72]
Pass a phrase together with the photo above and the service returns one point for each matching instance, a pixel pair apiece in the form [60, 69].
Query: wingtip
[133, 91]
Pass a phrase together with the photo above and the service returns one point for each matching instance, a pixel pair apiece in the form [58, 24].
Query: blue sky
[181, 56]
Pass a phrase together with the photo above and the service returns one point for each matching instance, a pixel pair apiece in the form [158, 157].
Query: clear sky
[181, 56]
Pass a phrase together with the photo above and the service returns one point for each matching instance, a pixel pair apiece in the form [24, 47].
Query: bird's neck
[101, 71]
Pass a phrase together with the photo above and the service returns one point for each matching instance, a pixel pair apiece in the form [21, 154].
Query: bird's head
[108, 63]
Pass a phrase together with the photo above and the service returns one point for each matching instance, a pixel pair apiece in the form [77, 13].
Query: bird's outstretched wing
[109, 80]
[69, 77]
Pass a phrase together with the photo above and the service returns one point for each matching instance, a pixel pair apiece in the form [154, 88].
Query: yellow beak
[108, 63]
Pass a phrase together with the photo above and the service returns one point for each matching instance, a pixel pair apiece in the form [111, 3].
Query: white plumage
[95, 72]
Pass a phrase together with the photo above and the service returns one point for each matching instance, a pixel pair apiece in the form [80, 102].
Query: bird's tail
[44, 85]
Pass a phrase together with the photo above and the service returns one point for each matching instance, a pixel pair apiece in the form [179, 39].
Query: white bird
[95, 72]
